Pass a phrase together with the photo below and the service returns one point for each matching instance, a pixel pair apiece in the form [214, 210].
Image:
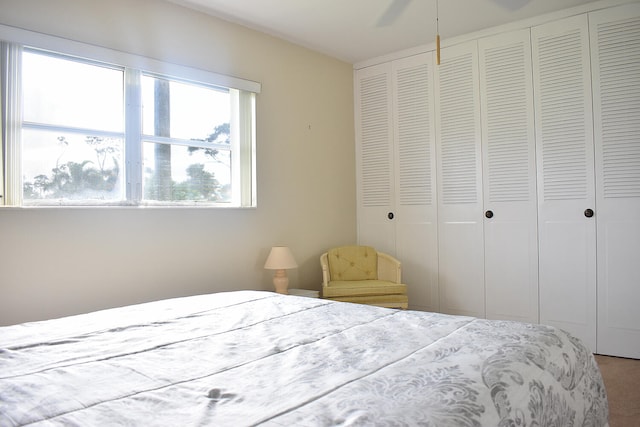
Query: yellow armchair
[360, 274]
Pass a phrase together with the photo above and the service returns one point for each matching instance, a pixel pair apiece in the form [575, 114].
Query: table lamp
[280, 259]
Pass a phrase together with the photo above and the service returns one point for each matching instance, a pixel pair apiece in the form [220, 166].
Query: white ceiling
[349, 30]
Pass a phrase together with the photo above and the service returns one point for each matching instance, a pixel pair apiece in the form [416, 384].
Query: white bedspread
[246, 358]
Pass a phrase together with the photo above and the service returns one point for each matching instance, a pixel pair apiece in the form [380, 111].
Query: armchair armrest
[389, 268]
[324, 263]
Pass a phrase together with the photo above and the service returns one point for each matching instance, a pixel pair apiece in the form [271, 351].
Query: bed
[260, 358]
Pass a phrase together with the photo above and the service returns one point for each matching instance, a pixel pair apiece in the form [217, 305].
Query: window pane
[64, 92]
[71, 167]
[184, 111]
[179, 173]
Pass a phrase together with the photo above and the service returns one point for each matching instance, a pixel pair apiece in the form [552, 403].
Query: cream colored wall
[59, 261]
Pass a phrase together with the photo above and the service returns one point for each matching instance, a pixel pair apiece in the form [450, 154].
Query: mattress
[260, 358]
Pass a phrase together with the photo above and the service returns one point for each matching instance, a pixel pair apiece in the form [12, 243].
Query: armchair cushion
[353, 263]
[340, 288]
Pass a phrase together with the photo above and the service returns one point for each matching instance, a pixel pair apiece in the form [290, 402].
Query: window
[80, 131]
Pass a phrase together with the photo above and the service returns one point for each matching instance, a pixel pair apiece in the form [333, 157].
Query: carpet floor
[622, 381]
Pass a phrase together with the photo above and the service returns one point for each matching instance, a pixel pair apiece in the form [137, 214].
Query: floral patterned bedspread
[250, 357]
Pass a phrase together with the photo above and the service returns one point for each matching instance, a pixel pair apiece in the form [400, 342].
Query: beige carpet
[622, 380]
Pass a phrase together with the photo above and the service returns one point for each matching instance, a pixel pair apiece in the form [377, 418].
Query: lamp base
[281, 282]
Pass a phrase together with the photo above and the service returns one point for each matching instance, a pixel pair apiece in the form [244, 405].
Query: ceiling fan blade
[392, 13]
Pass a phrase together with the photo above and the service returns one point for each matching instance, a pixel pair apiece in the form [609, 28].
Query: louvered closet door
[615, 55]
[416, 210]
[460, 224]
[566, 188]
[374, 157]
[509, 176]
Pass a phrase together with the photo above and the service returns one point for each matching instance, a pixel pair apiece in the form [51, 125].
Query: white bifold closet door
[566, 188]
[395, 155]
[615, 45]
[374, 158]
[459, 159]
[415, 183]
[509, 176]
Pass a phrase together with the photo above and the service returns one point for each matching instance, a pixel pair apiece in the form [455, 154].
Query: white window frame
[243, 93]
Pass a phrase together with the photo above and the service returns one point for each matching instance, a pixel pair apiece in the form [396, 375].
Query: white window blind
[11, 121]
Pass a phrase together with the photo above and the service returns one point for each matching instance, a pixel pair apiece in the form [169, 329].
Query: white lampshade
[280, 258]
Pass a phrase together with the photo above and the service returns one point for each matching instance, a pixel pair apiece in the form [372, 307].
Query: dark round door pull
[488, 214]
[588, 213]
[390, 215]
